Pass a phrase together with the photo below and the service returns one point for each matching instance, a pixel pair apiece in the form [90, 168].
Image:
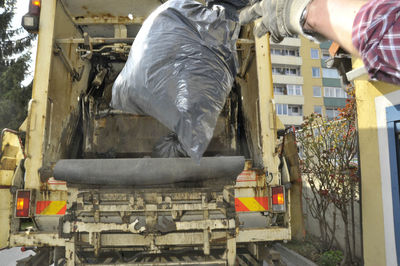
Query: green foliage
[331, 258]
[14, 60]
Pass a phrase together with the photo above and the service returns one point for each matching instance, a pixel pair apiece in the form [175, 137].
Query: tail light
[34, 7]
[23, 203]
[278, 199]
[30, 21]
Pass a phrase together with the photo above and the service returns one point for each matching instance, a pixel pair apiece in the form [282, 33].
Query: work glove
[281, 18]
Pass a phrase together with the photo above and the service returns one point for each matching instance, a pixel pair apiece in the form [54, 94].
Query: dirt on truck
[114, 203]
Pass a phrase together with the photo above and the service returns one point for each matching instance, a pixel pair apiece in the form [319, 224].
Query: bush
[331, 258]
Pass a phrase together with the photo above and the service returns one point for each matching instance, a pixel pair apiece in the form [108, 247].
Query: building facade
[302, 82]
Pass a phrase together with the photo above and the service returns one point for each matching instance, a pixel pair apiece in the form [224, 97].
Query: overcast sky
[22, 8]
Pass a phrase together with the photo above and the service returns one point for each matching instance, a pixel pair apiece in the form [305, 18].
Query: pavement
[292, 258]
[9, 257]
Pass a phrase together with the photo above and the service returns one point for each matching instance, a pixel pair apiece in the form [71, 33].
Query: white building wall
[291, 120]
[289, 99]
[312, 226]
[287, 79]
[286, 60]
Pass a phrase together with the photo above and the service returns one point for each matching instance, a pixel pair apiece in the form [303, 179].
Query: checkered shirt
[376, 35]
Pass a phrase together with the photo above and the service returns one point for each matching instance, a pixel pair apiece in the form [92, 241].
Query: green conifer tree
[14, 63]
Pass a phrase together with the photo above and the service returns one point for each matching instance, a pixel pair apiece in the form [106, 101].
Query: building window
[276, 71]
[318, 109]
[276, 51]
[317, 91]
[340, 93]
[329, 92]
[314, 53]
[331, 112]
[293, 52]
[279, 89]
[281, 109]
[316, 72]
[288, 89]
[294, 90]
[334, 92]
[289, 109]
[285, 51]
[295, 110]
[325, 54]
[330, 73]
[292, 71]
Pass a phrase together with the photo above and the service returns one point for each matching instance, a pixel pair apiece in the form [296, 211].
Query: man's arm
[334, 20]
[369, 29]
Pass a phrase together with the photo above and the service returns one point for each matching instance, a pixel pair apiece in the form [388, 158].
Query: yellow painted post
[268, 125]
[266, 108]
[36, 122]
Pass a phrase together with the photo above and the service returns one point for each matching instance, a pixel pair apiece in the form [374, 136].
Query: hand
[266, 9]
[281, 18]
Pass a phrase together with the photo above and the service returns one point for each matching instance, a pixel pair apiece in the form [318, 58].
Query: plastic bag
[235, 4]
[180, 70]
[169, 147]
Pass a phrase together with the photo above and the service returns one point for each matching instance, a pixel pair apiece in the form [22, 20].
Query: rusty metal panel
[36, 239]
[263, 234]
[296, 203]
[251, 192]
[107, 8]
[125, 135]
[292, 157]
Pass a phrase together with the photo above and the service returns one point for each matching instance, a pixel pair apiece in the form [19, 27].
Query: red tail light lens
[23, 203]
[34, 7]
[278, 199]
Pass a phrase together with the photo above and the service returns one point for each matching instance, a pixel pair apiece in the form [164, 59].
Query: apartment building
[302, 82]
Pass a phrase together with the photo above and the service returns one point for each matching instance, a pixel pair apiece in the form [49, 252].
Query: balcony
[287, 79]
[296, 42]
[286, 60]
[291, 120]
[334, 102]
[289, 99]
[330, 82]
[325, 45]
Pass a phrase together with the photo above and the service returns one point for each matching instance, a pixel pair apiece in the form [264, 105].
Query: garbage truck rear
[234, 203]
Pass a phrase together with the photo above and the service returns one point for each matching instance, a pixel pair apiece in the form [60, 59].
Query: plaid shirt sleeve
[376, 35]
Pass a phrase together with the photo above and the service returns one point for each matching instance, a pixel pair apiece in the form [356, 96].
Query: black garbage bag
[234, 4]
[169, 147]
[180, 70]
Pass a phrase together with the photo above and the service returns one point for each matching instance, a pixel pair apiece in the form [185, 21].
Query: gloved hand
[281, 18]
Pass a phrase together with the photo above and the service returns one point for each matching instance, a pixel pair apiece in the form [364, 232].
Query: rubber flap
[147, 171]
